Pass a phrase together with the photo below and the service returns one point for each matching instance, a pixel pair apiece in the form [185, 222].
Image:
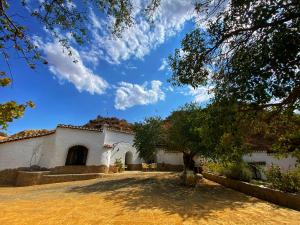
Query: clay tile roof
[26, 135]
[78, 127]
[121, 131]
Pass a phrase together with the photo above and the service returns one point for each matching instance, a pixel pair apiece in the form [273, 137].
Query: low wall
[169, 167]
[28, 178]
[134, 167]
[79, 169]
[8, 177]
[49, 179]
[275, 196]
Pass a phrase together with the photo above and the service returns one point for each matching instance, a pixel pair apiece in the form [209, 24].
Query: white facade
[51, 150]
[268, 159]
[172, 158]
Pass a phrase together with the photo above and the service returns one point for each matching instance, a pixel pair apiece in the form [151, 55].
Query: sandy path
[136, 199]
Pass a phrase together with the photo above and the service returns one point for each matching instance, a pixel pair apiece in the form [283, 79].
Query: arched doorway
[77, 155]
[128, 160]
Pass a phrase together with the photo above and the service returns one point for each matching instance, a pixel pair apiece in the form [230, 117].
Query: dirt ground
[136, 199]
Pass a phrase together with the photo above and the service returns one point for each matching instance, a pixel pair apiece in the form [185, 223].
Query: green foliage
[251, 50]
[119, 164]
[10, 111]
[186, 132]
[237, 171]
[213, 167]
[231, 132]
[286, 181]
[148, 137]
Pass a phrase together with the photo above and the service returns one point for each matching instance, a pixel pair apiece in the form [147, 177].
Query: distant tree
[148, 138]
[249, 52]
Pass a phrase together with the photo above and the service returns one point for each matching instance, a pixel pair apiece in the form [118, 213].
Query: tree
[185, 132]
[231, 133]
[148, 138]
[249, 52]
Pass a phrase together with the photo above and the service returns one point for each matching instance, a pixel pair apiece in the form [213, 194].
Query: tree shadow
[165, 192]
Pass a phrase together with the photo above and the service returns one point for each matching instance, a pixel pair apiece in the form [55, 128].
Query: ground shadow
[165, 192]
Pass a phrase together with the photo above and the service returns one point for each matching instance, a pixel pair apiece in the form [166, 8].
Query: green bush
[237, 171]
[286, 181]
[212, 167]
[119, 164]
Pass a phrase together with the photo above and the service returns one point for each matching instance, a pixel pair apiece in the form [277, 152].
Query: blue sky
[125, 78]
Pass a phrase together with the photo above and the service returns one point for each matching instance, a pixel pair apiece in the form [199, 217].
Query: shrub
[119, 164]
[285, 181]
[237, 171]
[212, 167]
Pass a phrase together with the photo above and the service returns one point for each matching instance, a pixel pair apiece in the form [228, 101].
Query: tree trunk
[188, 161]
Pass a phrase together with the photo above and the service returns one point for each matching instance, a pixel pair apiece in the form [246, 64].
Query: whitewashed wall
[173, 158]
[47, 152]
[284, 163]
[93, 140]
[125, 142]
[21, 153]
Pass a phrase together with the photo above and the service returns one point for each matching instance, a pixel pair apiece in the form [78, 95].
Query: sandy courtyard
[136, 199]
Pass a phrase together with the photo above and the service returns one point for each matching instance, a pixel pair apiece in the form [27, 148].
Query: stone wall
[134, 167]
[58, 178]
[169, 167]
[8, 177]
[79, 169]
[275, 196]
[28, 178]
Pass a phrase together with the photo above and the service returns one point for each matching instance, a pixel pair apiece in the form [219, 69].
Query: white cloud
[164, 65]
[201, 94]
[139, 39]
[129, 95]
[95, 21]
[63, 67]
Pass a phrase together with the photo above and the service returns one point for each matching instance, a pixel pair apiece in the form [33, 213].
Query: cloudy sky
[125, 77]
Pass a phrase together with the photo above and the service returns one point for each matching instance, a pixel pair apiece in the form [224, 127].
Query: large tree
[249, 52]
[182, 131]
[185, 132]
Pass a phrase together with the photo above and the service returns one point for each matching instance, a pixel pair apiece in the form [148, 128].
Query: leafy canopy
[250, 52]
[148, 137]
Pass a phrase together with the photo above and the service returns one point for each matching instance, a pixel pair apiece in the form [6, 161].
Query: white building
[262, 160]
[76, 149]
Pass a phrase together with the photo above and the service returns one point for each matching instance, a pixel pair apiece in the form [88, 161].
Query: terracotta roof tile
[78, 127]
[27, 136]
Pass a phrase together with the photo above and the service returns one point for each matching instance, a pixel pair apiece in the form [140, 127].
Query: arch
[128, 158]
[77, 155]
